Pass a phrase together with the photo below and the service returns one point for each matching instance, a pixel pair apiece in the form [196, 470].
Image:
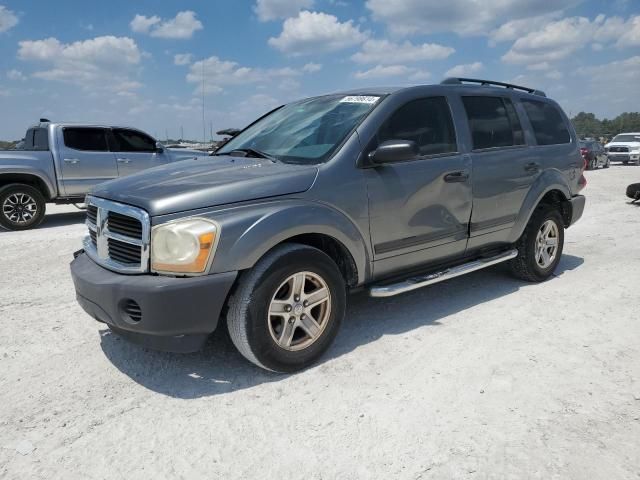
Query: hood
[207, 182]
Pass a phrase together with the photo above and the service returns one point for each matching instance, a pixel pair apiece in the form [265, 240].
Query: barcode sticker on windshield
[359, 99]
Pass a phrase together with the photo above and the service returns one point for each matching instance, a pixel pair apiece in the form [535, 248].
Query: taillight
[584, 152]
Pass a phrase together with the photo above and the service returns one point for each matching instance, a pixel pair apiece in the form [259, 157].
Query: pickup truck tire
[21, 206]
[286, 311]
[540, 246]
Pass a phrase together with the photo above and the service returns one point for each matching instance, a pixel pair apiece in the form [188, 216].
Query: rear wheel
[21, 207]
[288, 308]
[540, 246]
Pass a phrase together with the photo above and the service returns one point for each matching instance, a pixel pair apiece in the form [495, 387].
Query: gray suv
[386, 190]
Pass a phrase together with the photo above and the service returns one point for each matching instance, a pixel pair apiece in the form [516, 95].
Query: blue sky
[140, 63]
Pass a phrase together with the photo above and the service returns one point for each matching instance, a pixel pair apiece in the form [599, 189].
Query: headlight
[183, 246]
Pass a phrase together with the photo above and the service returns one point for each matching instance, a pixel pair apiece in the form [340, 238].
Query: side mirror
[394, 151]
[159, 147]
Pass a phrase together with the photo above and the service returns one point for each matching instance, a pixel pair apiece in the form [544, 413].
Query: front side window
[132, 141]
[427, 122]
[493, 122]
[548, 125]
[308, 131]
[88, 139]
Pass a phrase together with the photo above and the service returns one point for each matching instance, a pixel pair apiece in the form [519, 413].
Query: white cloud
[8, 19]
[102, 62]
[555, 41]
[515, 29]
[312, 67]
[15, 75]
[182, 59]
[313, 32]
[465, 69]
[142, 24]
[182, 26]
[387, 53]
[221, 73]
[382, 71]
[465, 17]
[275, 9]
[559, 39]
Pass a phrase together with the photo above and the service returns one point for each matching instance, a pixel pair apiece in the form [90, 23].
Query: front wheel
[22, 207]
[540, 246]
[607, 163]
[288, 308]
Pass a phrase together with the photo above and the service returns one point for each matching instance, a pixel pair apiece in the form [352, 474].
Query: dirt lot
[479, 377]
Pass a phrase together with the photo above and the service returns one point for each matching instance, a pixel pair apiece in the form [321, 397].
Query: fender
[549, 180]
[248, 232]
[9, 170]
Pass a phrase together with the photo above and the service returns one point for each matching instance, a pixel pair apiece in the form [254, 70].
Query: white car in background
[624, 148]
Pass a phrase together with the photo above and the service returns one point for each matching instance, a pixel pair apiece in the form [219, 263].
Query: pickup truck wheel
[286, 310]
[540, 246]
[21, 207]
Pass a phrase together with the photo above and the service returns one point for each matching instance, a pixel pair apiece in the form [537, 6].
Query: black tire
[247, 316]
[625, 162]
[9, 192]
[607, 163]
[633, 191]
[525, 266]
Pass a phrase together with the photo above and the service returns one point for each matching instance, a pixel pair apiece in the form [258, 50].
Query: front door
[85, 159]
[420, 209]
[136, 151]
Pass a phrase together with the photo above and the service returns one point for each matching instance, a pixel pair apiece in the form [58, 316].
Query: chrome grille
[118, 237]
[619, 149]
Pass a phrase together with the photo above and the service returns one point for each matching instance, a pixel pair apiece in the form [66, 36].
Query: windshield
[626, 138]
[307, 131]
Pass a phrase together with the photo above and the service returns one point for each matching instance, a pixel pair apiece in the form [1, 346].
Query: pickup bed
[60, 163]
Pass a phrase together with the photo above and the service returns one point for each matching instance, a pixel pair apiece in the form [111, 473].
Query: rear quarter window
[548, 125]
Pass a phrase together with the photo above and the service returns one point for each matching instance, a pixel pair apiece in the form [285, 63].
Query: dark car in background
[594, 154]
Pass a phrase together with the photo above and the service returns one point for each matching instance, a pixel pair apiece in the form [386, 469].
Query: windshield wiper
[250, 152]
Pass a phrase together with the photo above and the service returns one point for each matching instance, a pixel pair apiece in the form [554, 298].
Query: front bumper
[624, 157]
[577, 208]
[176, 314]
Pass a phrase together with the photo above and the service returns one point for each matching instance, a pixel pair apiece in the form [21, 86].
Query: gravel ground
[479, 377]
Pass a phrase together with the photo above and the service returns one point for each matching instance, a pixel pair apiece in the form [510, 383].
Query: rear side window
[132, 141]
[548, 125]
[493, 122]
[88, 139]
[426, 121]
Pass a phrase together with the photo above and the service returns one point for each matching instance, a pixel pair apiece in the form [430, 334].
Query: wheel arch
[31, 179]
[311, 224]
[549, 189]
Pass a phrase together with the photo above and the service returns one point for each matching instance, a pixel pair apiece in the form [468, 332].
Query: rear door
[419, 209]
[135, 151]
[86, 159]
[503, 168]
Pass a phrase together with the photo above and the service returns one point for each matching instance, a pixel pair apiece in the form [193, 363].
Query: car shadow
[219, 368]
[53, 220]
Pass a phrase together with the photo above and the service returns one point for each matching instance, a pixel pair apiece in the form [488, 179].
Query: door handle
[459, 176]
[71, 160]
[123, 160]
[532, 167]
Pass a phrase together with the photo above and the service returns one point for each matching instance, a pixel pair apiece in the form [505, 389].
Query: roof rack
[460, 81]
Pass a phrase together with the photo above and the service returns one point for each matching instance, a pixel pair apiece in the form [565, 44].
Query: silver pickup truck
[61, 162]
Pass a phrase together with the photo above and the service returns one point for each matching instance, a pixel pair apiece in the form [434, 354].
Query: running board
[423, 280]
